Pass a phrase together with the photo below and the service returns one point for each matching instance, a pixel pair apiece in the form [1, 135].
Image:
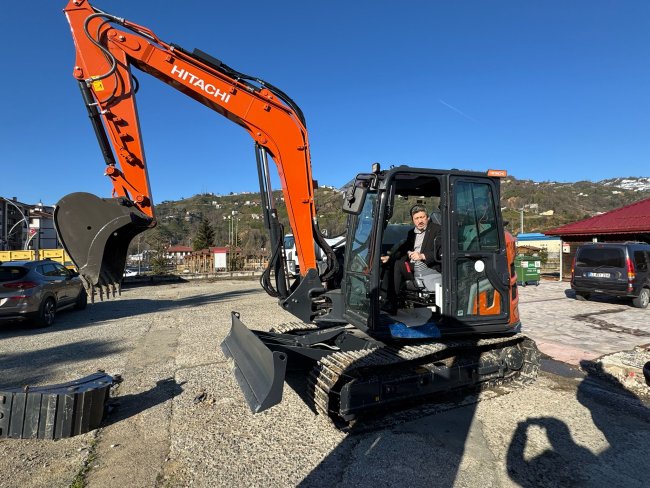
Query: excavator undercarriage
[351, 375]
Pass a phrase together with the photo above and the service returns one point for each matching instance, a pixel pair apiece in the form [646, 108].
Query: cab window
[477, 222]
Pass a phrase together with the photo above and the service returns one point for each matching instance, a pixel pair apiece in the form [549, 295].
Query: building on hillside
[629, 223]
[176, 254]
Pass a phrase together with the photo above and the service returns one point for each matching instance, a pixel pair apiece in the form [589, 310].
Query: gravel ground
[182, 421]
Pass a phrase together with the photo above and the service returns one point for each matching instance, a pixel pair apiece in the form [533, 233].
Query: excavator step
[54, 411]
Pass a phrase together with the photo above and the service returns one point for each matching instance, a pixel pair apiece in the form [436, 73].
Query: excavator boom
[97, 232]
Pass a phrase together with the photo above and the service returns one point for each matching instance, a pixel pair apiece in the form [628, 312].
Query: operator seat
[435, 217]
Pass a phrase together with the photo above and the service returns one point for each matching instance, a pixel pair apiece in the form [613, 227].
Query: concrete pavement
[570, 330]
[605, 336]
[182, 421]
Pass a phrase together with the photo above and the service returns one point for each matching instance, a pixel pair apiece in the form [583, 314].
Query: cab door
[478, 265]
[360, 286]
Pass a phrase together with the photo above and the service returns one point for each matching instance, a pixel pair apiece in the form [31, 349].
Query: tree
[204, 237]
[159, 261]
[157, 240]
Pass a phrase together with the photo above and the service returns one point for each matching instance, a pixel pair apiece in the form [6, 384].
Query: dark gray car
[37, 290]
[614, 269]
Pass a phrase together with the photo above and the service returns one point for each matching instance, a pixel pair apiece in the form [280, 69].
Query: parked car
[130, 272]
[614, 269]
[37, 290]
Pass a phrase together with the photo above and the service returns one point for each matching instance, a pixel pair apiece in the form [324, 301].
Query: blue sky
[549, 90]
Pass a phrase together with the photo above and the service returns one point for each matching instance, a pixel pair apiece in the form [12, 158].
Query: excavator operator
[415, 256]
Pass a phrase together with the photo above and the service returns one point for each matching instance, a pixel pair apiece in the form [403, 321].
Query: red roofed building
[176, 253]
[629, 223]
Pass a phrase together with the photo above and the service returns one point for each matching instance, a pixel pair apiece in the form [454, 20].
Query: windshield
[288, 242]
[611, 257]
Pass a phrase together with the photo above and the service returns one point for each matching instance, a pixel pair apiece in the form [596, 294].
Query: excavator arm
[96, 232]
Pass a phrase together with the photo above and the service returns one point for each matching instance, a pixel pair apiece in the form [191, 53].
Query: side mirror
[354, 200]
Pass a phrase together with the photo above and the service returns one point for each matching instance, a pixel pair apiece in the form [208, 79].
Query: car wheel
[582, 296]
[643, 299]
[46, 313]
[82, 300]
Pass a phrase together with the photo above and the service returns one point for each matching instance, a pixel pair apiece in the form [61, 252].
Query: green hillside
[567, 202]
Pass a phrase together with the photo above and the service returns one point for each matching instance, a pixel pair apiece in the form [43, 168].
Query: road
[180, 419]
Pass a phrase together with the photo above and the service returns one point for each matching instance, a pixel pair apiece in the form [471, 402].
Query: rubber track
[54, 411]
[290, 327]
[330, 370]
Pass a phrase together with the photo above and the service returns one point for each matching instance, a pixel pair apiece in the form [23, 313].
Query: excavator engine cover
[96, 233]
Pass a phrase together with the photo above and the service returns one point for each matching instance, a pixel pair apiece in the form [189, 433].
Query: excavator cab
[471, 254]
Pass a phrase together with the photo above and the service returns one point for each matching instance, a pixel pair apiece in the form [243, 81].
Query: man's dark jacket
[430, 246]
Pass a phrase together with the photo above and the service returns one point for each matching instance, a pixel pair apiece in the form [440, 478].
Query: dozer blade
[258, 370]
[96, 233]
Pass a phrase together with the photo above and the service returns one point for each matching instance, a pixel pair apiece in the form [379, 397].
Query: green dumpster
[528, 270]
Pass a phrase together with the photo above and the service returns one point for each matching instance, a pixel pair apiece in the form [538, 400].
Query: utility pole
[233, 239]
[521, 212]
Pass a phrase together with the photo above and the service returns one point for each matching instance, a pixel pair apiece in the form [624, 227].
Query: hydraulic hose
[332, 262]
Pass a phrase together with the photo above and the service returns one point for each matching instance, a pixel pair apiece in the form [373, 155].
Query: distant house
[207, 260]
[629, 223]
[176, 254]
[218, 259]
[552, 245]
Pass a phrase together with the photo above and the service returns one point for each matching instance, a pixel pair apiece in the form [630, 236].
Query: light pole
[229, 218]
[233, 238]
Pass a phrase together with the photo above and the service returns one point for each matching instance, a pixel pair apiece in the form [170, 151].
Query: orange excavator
[460, 330]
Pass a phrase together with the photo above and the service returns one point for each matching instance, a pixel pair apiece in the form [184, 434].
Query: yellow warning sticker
[98, 85]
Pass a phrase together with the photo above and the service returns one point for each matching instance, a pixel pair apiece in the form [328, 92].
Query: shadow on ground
[123, 407]
[621, 417]
[425, 447]
[99, 312]
[35, 367]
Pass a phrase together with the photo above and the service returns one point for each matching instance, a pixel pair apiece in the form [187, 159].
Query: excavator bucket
[259, 370]
[96, 233]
